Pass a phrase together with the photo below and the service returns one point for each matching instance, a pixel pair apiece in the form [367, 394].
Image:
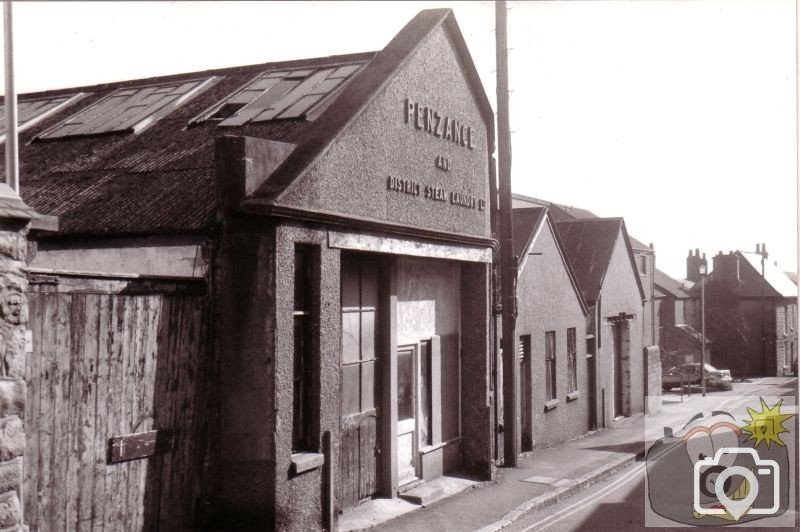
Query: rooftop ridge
[222, 71]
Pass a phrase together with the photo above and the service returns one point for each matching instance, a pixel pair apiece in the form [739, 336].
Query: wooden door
[358, 465]
[526, 392]
[617, 334]
[114, 358]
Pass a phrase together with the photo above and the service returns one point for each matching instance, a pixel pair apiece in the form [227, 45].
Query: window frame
[572, 360]
[303, 316]
[361, 363]
[550, 345]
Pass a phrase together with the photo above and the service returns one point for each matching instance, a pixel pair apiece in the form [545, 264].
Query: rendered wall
[243, 457]
[620, 294]
[299, 500]
[548, 302]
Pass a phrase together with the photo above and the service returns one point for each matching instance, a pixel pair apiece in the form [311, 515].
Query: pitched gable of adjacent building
[590, 245]
[535, 236]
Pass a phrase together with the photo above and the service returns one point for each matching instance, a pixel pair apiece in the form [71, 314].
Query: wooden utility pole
[508, 267]
[10, 100]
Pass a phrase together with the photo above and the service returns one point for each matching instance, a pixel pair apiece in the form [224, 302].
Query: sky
[680, 116]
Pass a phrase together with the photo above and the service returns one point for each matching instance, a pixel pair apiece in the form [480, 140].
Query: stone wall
[13, 321]
[652, 366]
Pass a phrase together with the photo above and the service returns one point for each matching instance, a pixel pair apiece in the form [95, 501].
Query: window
[302, 417]
[643, 264]
[572, 361]
[31, 112]
[280, 94]
[359, 307]
[128, 110]
[550, 364]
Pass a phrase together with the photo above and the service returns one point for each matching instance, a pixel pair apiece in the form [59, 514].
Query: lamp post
[703, 271]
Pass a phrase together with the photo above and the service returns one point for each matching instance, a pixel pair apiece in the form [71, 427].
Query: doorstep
[376, 511]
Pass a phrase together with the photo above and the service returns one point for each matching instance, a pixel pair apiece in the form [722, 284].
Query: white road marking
[583, 503]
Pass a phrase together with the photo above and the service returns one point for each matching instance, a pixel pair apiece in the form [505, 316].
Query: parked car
[715, 378]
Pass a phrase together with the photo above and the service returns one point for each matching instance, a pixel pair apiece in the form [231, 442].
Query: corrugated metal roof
[158, 181]
[772, 274]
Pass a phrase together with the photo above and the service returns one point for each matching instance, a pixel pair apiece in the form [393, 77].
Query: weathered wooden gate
[114, 357]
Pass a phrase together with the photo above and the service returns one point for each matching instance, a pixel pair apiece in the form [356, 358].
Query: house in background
[751, 313]
[555, 394]
[601, 256]
[644, 255]
[679, 337]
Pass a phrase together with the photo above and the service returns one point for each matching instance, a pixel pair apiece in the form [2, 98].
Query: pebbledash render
[360, 258]
[270, 295]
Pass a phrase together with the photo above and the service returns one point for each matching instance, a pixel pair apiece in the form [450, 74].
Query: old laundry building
[269, 295]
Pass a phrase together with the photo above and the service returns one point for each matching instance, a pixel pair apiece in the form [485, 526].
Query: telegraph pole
[10, 100]
[508, 268]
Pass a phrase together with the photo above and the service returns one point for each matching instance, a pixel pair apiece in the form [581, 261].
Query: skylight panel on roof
[128, 110]
[31, 112]
[281, 94]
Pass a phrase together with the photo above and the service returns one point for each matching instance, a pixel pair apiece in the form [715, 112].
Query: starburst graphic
[767, 426]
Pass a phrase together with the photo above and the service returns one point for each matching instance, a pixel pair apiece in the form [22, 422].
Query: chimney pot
[758, 247]
[697, 251]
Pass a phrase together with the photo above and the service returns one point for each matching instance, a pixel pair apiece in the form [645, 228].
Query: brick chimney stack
[693, 266]
[726, 267]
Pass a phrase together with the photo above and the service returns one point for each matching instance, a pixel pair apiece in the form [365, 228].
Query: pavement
[543, 477]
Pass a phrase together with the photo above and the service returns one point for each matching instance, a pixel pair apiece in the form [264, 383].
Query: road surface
[618, 502]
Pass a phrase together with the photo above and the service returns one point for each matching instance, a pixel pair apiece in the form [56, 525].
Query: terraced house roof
[589, 246]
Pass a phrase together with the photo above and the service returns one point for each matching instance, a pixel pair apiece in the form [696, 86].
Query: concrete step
[423, 494]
